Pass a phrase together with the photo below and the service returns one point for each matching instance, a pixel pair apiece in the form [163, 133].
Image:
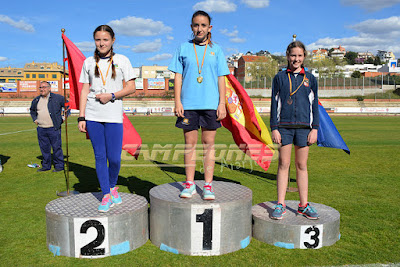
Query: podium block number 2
[205, 229]
[311, 236]
[91, 237]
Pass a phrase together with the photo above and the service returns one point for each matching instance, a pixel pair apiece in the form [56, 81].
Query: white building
[338, 52]
[385, 56]
[347, 70]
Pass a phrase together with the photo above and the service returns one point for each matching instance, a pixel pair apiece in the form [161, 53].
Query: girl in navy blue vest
[294, 120]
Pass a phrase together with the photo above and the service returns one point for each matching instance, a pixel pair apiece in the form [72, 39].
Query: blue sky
[148, 32]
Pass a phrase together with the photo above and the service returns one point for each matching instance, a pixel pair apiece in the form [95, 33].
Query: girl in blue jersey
[200, 67]
[294, 120]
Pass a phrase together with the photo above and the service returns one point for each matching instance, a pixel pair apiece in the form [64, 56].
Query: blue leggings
[107, 144]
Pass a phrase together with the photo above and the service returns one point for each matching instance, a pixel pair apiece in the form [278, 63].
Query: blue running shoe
[106, 204]
[308, 211]
[208, 192]
[279, 211]
[115, 197]
[189, 191]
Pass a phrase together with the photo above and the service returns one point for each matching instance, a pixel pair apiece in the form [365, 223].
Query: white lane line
[18, 131]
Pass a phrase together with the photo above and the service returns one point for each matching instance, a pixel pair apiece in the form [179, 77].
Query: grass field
[363, 187]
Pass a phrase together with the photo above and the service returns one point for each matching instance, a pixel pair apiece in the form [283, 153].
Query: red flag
[75, 61]
[131, 140]
[247, 127]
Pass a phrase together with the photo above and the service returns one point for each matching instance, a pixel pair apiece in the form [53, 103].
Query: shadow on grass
[88, 181]
[4, 159]
[263, 176]
[168, 168]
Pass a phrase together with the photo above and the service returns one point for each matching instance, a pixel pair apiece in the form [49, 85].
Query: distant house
[338, 52]
[156, 71]
[233, 59]
[244, 63]
[362, 57]
[385, 56]
[319, 54]
[264, 53]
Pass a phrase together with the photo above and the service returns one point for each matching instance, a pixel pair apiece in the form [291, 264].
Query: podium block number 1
[205, 229]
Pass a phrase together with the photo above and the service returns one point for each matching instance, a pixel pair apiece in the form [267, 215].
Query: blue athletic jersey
[196, 95]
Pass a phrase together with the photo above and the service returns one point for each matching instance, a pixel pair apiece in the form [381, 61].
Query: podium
[76, 229]
[296, 231]
[200, 227]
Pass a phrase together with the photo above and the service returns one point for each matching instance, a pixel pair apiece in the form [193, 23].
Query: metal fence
[329, 83]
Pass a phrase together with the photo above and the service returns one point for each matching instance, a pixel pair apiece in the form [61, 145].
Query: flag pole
[291, 189]
[66, 172]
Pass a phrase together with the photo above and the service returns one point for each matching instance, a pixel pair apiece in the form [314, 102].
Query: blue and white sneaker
[189, 191]
[115, 197]
[279, 211]
[308, 211]
[208, 192]
[106, 204]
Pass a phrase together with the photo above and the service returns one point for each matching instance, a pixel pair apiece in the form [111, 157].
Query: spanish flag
[131, 140]
[247, 127]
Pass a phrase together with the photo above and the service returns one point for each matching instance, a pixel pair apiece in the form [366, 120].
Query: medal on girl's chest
[103, 79]
[290, 100]
[200, 78]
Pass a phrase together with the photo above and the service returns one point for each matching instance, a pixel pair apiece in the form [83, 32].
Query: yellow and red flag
[247, 127]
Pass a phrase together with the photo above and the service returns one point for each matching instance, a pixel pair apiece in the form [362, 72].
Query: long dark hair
[205, 14]
[104, 28]
[296, 44]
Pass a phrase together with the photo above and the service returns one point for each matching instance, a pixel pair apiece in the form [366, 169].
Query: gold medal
[200, 79]
[290, 101]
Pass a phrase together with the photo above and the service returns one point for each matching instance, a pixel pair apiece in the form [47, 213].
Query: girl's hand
[221, 112]
[104, 98]
[312, 136]
[276, 137]
[179, 110]
[82, 126]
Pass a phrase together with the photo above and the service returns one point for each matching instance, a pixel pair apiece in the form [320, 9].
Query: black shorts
[194, 119]
[296, 136]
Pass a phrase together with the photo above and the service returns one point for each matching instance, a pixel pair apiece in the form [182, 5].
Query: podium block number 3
[91, 237]
[311, 236]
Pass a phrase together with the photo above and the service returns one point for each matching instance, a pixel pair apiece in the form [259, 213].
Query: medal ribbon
[101, 73]
[290, 82]
[197, 59]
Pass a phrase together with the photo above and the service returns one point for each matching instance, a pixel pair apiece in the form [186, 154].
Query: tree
[356, 74]
[369, 60]
[377, 61]
[281, 60]
[262, 67]
[326, 67]
[350, 57]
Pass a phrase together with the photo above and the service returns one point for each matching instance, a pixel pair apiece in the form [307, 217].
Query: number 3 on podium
[311, 236]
